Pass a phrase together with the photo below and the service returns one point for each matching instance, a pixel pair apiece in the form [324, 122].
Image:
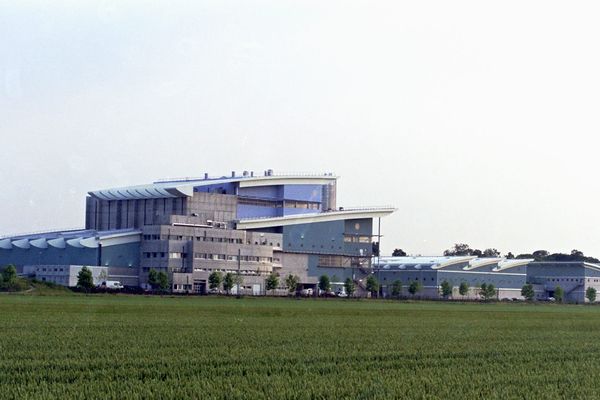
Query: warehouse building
[507, 275]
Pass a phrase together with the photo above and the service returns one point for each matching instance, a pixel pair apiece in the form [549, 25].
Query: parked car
[113, 285]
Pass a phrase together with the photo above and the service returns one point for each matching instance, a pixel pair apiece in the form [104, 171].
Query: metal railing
[338, 210]
[14, 235]
[280, 174]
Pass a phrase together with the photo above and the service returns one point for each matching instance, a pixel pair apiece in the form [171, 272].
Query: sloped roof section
[185, 187]
[296, 219]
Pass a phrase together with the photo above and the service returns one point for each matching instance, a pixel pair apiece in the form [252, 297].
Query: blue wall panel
[263, 192]
[303, 192]
[249, 211]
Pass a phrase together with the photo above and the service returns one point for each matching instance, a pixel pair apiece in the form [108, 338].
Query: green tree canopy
[398, 253]
[487, 291]
[527, 292]
[215, 279]
[324, 283]
[163, 281]
[491, 253]
[414, 287]
[372, 285]
[445, 289]
[292, 281]
[9, 275]
[153, 278]
[350, 287]
[590, 294]
[228, 282]
[463, 289]
[272, 281]
[559, 294]
[85, 280]
[396, 288]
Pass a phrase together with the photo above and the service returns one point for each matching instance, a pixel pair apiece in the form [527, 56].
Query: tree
[9, 280]
[350, 287]
[153, 278]
[214, 280]
[85, 280]
[414, 287]
[590, 294]
[559, 294]
[272, 282]
[487, 291]
[9, 275]
[291, 281]
[527, 292]
[577, 254]
[162, 281]
[459, 249]
[539, 255]
[510, 256]
[463, 289]
[396, 288]
[324, 283]
[446, 289]
[228, 282]
[372, 284]
[491, 253]
[398, 253]
[524, 256]
[477, 253]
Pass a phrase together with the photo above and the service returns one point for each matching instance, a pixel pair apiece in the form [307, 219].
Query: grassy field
[142, 347]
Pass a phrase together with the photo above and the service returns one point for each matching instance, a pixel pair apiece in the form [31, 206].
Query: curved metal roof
[482, 262]
[269, 222]
[79, 239]
[185, 188]
[507, 264]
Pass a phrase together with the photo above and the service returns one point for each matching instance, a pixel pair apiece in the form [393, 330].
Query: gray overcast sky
[478, 120]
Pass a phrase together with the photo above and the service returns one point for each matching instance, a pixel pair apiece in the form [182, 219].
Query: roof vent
[251, 173]
[245, 173]
[206, 175]
[233, 174]
[269, 172]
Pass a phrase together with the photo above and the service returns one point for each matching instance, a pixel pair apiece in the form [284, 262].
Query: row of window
[232, 271]
[162, 254]
[335, 261]
[357, 239]
[279, 204]
[224, 257]
[570, 280]
[44, 269]
[263, 242]
[207, 256]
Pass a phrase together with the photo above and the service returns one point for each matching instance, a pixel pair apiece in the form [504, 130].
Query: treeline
[463, 249]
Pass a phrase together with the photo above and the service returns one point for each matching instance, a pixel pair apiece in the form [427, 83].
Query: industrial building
[248, 224]
[255, 224]
[507, 275]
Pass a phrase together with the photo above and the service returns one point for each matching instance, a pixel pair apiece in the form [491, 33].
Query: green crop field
[150, 347]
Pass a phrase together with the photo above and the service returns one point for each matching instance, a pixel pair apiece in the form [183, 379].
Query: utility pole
[379, 256]
[238, 271]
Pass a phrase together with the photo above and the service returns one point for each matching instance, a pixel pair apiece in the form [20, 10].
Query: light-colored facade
[245, 224]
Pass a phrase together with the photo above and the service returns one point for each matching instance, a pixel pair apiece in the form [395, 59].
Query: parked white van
[115, 285]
